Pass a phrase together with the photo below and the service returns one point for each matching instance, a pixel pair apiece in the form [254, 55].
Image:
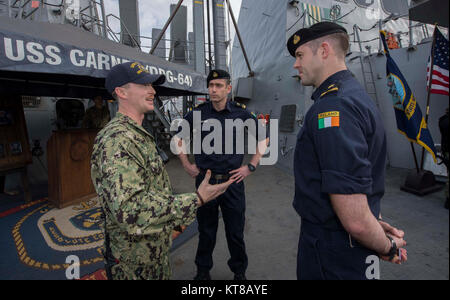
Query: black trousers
[232, 206]
[332, 255]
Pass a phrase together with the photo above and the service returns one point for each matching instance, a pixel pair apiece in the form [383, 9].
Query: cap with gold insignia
[316, 31]
[131, 72]
[217, 74]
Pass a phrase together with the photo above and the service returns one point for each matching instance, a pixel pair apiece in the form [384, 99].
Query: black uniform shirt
[341, 149]
[222, 162]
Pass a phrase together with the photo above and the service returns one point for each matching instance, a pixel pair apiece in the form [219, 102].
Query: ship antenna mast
[251, 73]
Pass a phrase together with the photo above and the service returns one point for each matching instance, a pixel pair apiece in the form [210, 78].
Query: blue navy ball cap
[133, 72]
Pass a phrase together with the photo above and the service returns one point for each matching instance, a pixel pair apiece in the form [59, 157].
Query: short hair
[227, 81]
[339, 41]
[114, 94]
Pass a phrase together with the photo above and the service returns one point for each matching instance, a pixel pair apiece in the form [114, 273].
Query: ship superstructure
[273, 87]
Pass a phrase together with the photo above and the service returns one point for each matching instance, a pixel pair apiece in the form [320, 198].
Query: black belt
[216, 176]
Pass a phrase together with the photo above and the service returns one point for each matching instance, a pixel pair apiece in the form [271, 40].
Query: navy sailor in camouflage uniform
[133, 187]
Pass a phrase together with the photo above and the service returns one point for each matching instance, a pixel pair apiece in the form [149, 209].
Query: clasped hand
[398, 236]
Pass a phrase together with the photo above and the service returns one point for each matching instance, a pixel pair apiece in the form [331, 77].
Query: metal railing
[93, 19]
[173, 104]
[378, 26]
[187, 47]
[123, 26]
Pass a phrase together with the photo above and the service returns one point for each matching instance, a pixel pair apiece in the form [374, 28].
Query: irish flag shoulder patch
[328, 119]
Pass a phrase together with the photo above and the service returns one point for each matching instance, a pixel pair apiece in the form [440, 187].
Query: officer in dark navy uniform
[223, 166]
[339, 165]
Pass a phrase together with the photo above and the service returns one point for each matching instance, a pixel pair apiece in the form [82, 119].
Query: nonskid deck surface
[272, 229]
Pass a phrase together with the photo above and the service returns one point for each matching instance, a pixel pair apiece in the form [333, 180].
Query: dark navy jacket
[341, 149]
[220, 163]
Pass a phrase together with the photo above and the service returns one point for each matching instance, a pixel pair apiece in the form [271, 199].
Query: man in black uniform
[339, 164]
[223, 166]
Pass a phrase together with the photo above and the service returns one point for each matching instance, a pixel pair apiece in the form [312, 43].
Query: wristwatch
[251, 167]
[393, 251]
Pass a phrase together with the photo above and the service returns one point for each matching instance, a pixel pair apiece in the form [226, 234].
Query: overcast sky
[154, 14]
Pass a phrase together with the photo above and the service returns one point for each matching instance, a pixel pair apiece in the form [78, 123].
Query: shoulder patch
[200, 104]
[328, 119]
[331, 88]
[238, 104]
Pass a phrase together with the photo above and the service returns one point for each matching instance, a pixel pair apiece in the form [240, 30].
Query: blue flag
[410, 121]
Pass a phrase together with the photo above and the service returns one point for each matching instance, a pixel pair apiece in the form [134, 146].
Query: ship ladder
[366, 69]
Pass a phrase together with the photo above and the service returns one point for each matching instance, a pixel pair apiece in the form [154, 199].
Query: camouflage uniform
[95, 118]
[140, 208]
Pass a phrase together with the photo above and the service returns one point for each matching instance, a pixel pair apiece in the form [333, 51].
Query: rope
[374, 39]
[303, 14]
[374, 25]
[346, 14]
[313, 17]
[55, 5]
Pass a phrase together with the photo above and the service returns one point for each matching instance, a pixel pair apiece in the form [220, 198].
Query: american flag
[439, 80]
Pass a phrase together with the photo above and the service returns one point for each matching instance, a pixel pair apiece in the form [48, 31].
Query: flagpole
[429, 87]
[415, 157]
